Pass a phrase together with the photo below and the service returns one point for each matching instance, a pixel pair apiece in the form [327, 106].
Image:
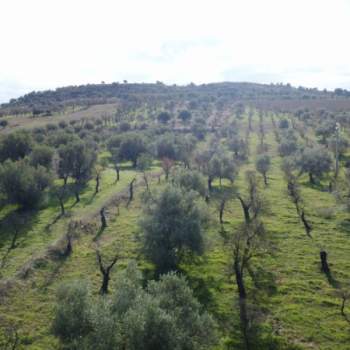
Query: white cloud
[45, 44]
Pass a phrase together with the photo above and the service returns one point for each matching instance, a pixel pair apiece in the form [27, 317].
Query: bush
[172, 226]
[163, 316]
[72, 318]
[15, 146]
[41, 155]
[22, 183]
[190, 180]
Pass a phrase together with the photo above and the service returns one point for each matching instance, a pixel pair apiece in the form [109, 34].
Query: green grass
[298, 305]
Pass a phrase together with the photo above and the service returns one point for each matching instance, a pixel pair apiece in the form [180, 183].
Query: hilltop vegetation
[145, 216]
[47, 102]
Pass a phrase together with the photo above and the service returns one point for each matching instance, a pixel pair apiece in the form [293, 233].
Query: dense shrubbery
[165, 315]
[22, 183]
[173, 227]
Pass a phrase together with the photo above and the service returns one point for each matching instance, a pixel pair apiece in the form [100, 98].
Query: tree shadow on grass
[13, 227]
[344, 225]
[318, 186]
[331, 280]
[99, 234]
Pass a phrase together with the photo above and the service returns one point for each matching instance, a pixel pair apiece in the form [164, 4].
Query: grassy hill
[292, 303]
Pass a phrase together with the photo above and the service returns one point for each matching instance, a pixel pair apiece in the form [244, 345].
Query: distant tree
[239, 147]
[15, 145]
[167, 164]
[287, 147]
[190, 180]
[76, 160]
[166, 147]
[143, 164]
[199, 128]
[172, 226]
[42, 155]
[131, 147]
[22, 183]
[283, 124]
[124, 126]
[164, 117]
[315, 162]
[262, 165]
[343, 145]
[252, 203]
[3, 123]
[221, 166]
[325, 130]
[185, 115]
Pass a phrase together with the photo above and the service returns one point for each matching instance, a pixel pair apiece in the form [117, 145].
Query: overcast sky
[51, 43]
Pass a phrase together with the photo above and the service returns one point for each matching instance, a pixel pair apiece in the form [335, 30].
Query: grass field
[296, 303]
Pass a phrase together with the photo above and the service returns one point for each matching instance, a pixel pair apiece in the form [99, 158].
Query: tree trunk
[324, 262]
[117, 170]
[242, 302]
[265, 179]
[131, 191]
[103, 218]
[62, 206]
[14, 240]
[146, 181]
[77, 197]
[312, 179]
[210, 187]
[69, 247]
[105, 281]
[306, 224]
[97, 187]
[221, 211]
[245, 208]
[105, 272]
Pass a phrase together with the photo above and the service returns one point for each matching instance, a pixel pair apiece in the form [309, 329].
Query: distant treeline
[47, 102]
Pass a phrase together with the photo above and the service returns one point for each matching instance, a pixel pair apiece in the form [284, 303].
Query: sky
[45, 44]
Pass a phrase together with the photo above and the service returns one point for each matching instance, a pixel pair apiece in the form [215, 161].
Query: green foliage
[222, 166]
[42, 155]
[163, 316]
[263, 164]
[22, 183]
[190, 180]
[314, 161]
[173, 227]
[76, 160]
[132, 145]
[164, 117]
[15, 145]
[283, 124]
[72, 319]
[144, 162]
[185, 115]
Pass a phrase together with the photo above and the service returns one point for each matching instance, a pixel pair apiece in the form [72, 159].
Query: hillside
[262, 237]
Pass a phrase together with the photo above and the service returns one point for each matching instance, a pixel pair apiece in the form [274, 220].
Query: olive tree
[42, 155]
[131, 147]
[190, 180]
[22, 183]
[173, 227]
[314, 161]
[164, 315]
[15, 145]
[262, 164]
